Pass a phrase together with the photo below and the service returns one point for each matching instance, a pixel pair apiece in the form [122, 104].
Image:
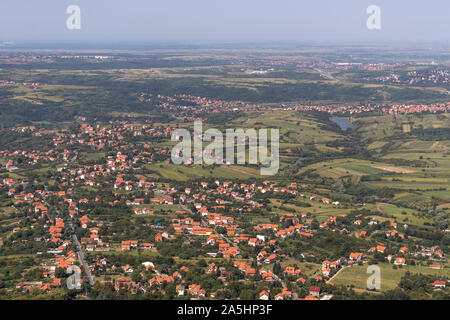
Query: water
[343, 123]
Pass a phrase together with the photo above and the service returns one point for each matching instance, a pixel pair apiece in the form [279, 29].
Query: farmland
[356, 276]
[86, 165]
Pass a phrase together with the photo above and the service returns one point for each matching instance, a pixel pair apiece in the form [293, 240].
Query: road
[325, 74]
[338, 272]
[79, 251]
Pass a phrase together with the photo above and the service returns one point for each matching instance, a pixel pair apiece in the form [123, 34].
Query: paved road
[79, 251]
[87, 272]
[325, 74]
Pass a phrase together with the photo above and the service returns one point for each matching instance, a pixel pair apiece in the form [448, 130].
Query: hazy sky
[225, 20]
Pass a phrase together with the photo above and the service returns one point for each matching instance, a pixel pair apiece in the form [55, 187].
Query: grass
[344, 167]
[7, 210]
[399, 213]
[47, 93]
[318, 209]
[356, 275]
[183, 173]
[157, 207]
[308, 269]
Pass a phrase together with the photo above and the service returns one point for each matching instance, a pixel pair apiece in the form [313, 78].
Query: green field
[183, 173]
[356, 275]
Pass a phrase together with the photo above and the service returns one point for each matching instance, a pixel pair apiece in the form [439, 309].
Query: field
[356, 275]
[317, 209]
[400, 214]
[355, 171]
[179, 173]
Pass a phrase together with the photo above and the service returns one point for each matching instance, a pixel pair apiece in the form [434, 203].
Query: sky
[226, 20]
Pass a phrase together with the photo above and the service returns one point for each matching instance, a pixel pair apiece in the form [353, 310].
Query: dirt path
[378, 206]
[393, 169]
[338, 272]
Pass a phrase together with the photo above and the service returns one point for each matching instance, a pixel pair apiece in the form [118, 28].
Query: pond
[343, 123]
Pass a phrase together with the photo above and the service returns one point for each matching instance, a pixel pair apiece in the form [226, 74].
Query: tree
[276, 268]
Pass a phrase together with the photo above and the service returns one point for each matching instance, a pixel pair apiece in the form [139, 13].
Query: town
[110, 191]
[99, 205]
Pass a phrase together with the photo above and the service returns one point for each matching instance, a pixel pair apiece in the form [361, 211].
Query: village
[196, 239]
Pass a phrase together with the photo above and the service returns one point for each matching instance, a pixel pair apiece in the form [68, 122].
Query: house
[279, 296]
[212, 239]
[148, 265]
[380, 249]
[436, 266]
[147, 246]
[128, 269]
[212, 268]
[126, 245]
[400, 261]
[158, 237]
[438, 284]
[184, 268]
[253, 242]
[314, 291]
[285, 294]
[355, 256]
[264, 295]
[167, 200]
[403, 250]
[266, 276]
[261, 238]
[291, 271]
[123, 283]
[84, 220]
[159, 280]
[310, 297]
[271, 259]
[180, 290]
[326, 272]
[195, 290]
